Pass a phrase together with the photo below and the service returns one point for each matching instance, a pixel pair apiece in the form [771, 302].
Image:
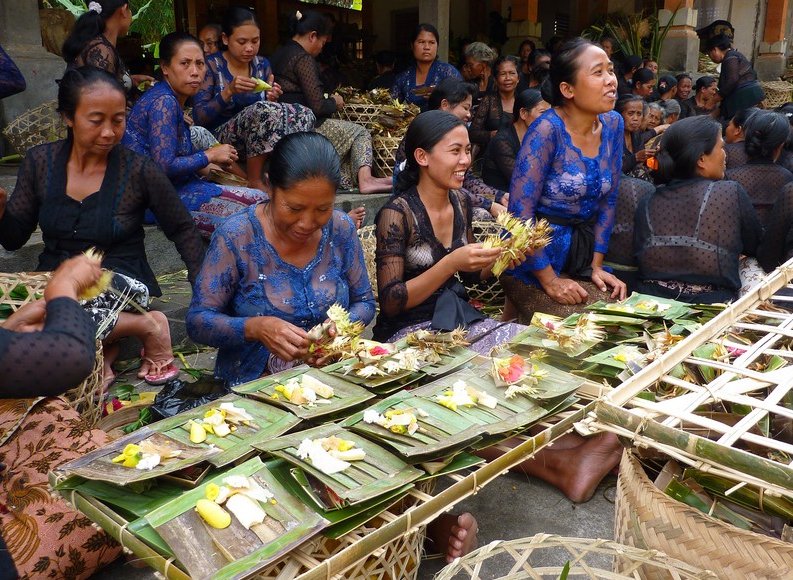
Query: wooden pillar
[436, 12]
[524, 24]
[770, 62]
[680, 51]
[267, 11]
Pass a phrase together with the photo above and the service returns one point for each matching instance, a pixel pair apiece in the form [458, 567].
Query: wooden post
[770, 62]
[680, 51]
[436, 12]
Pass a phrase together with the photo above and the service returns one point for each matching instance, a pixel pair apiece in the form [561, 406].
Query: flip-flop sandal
[160, 372]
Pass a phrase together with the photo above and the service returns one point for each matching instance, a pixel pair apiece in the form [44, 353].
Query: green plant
[640, 34]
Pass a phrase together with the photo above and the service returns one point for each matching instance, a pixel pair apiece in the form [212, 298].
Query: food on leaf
[400, 421]
[213, 514]
[305, 391]
[145, 455]
[261, 85]
[246, 510]
[198, 434]
[506, 371]
[320, 458]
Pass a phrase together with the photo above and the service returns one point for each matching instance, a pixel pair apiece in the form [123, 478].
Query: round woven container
[369, 245]
[647, 518]
[39, 125]
[777, 93]
[529, 299]
[545, 556]
[489, 292]
[384, 149]
[365, 115]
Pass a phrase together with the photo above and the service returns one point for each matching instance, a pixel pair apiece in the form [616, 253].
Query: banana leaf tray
[378, 473]
[269, 422]
[346, 395]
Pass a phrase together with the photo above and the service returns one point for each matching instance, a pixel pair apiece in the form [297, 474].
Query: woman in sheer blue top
[414, 84]
[272, 271]
[156, 128]
[567, 172]
[11, 80]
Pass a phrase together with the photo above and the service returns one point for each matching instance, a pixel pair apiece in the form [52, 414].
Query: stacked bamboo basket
[648, 518]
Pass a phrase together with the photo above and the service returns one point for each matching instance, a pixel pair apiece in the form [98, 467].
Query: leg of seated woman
[362, 158]
[453, 535]
[154, 333]
[255, 170]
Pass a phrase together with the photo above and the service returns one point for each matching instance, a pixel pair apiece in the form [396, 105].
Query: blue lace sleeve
[208, 104]
[169, 142]
[11, 79]
[402, 84]
[528, 178]
[613, 131]
[362, 303]
[208, 321]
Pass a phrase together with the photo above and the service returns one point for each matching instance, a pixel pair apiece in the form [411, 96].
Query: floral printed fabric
[46, 537]
[553, 177]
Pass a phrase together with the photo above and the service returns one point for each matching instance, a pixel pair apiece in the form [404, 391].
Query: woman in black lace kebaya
[738, 86]
[297, 71]
[734, 137]
[504, 146]
[762, 178]
[777, 245]
[11, 80]
[690, 233]
[495, 109]
[89, 191]
[634, 155]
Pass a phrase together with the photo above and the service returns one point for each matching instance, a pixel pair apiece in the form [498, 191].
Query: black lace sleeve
[174, 219]
[100, 54]
[499, 163]
[11, 79]
[486, 119]
[751, 226]
[631, 191]
[479, 193]
[307, 74]
[730, 74]
[52, 361]
[777, 245]
[22, 211]
[392, 234]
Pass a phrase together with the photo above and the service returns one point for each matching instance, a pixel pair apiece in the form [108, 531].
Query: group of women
[272, 270]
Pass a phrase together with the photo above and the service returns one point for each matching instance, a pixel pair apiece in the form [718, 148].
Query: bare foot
[156, 341]
[109, 354]
[454, 536]
[593, 461]
[357, 216]
[371, 184]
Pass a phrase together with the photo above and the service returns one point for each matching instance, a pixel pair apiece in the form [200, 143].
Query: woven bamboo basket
[649, 519]
[363, 114]
[384, 149]
[777, 93]
[367, 235]
[39, 125]
[544, 556]
[86, 398]
[488, 292]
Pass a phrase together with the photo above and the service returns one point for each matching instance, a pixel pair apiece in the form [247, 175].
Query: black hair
[739, 119]
[625, 99]
[565, 65]
[611, 39]
[682, 76]
[720, 41]
[704, 82]
[535, 54]
[454, 90]
[643, 75]
[385, 58]
[632, 62]
[506, 58]
[424, 132]
[787, 111]
[212, 26]
[171, 42]
[682, 145]
[304, 155]
[236, 16]
[90, 25]
[524, 43]
[425, 27]
[526, 99]
[666, 83]
[310, 21]
[75, 80]
[764, 132]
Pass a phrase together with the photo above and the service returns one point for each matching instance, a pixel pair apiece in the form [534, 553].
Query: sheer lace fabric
[777, 245]
[490, 116]
[500, 158]
[64, 353]
[736, 154]
[694, 230]
[11, 79]
[631, 192]
[406, 248]
[298, 74]
[243, 276]
[762, 182]
[405, 83]
[100, 53]
[554, 178]
[110, 220]
[735, 71]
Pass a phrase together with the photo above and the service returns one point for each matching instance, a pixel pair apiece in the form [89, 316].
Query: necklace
[595, 125]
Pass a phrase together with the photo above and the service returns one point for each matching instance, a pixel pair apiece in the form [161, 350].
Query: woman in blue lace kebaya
[567, 172]
[234, 109]
[272, 272]
[11, 80]
[156, 128]
[415, 84]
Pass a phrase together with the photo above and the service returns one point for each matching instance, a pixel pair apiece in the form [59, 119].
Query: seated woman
[643, 83]
[495, 110]
[634, 154]
[11, 79]
[765, 134]
[653, 116]
[478, 70]
[504, 146]
[734, 137]
[156, 128]
[786, 159]
[233, 106]
[705, 98]
[309, 254]
[89, 191]
[455, 96]
[46, 348]
[296, 69]
[415, 83]
[671, 109]
[568, 171]
[690, 233]
[777, 245]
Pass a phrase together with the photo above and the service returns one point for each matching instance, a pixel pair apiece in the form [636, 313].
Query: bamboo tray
[750, 331]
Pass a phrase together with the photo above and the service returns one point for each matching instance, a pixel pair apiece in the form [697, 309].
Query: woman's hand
[473, 258]
[284, 340]
[137, 79]
[565, 291]
[339, 101]
[274, 93]
[237, 86]
[496, 209]
[320, 361]
[72, 277]
[29, 318]
[221, 154]
[643, 154]
[605, 280]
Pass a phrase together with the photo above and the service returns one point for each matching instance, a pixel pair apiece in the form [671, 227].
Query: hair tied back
[95, 7]
[298, 15]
